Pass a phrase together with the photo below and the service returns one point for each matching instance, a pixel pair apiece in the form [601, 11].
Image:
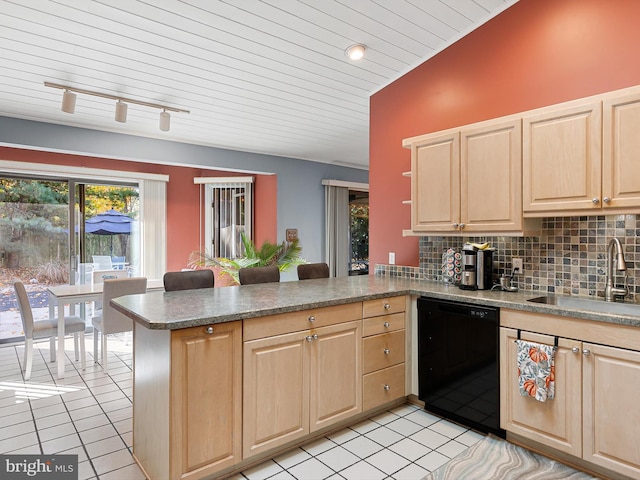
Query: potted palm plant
[285, 255]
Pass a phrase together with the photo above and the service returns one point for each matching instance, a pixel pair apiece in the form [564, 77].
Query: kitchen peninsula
[293, 360]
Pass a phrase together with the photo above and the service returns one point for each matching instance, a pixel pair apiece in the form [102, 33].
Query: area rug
[494, 458]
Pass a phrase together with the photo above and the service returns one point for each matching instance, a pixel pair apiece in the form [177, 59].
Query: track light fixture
[69, 104]
[355, 52]
[121, 112]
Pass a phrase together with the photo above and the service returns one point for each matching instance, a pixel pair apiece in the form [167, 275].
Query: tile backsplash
[569, 257]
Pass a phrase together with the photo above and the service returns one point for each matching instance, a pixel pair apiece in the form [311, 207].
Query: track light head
[165, 121]
[121, 112]
[68, 102]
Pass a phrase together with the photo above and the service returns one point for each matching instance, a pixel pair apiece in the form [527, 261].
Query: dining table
[61, 295]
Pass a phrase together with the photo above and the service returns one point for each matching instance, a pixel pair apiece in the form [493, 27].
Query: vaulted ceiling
[265, 76]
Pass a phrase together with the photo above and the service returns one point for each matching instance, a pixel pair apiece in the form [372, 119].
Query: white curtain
[337, 230]
[153, 226]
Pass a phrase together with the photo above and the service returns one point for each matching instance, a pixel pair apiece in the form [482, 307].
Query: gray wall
[300, 192]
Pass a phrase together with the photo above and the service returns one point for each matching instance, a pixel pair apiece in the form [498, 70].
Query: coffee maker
[469, 267]
[477, 268]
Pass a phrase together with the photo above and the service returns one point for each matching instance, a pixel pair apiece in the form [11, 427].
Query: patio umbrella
[110, 223]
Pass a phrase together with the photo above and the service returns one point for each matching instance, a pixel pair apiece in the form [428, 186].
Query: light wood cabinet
[296, 383]
[621, 150]
[384, 351]
[205, 415]
[595, 413]
[468, 180]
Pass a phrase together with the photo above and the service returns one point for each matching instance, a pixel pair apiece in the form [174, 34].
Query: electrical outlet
[517, 265]
[392, 258]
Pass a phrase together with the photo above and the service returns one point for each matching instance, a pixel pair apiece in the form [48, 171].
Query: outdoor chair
[102, 262]
[309, 271]
[111, 320]
[36, 330]
[252, 275]
[118, 263]
[188, 280]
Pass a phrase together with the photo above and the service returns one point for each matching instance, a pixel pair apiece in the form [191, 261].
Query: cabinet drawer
[271, 325]
[382, 351]
[382, 324]
[383, 306]
[382, 386]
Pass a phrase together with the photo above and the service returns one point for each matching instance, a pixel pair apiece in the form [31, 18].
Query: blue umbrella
[110, 223]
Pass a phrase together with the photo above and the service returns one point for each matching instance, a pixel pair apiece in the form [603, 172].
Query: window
[359, 232]
[228, 214]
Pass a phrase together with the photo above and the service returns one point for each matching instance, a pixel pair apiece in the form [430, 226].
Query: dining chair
[111, 320]
[36, 330]
[252, 275]
[308, 271]
[188, 280]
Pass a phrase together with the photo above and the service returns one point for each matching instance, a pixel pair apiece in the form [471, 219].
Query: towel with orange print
[536, 371]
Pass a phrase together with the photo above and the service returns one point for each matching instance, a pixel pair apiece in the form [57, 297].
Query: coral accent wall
[183, 197]
[536, 53]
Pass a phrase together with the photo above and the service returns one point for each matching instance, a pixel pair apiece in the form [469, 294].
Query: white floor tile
[470, 437]
[452, 449]
[432, 461]
[385, 418]
[423, 418]
[448, 429]
[318, 446]
[384, 436]
[410, 472]
[363, 470]
[112, 461]
[342, 436]
[404, 427]
[262, 471]
[429, 438]
[364, 427]
[388, 461]
[338, 458]
[362, 446]
[403, 410]
[292, 458]
[310, 469]
[410, 449]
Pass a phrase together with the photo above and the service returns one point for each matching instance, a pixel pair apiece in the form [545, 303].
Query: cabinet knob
[311, 338]
[462, 225]
[209, 330]
[386, 351]
[595, 200]
[575, 350]
[586, 352]
[606, 199]
[387, 387]
[312, 318]
[456, 225]
[385, 324]
[387, 306]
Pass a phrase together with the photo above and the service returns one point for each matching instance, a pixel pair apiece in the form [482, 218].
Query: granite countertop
[191, 308]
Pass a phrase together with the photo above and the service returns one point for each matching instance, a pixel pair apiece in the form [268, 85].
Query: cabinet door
[335, 374]
[562, 159]
[435, 183]
[557, 422]
[205, 412]
[611, 408]
[621, 151]
[276, 391]
[491, 177]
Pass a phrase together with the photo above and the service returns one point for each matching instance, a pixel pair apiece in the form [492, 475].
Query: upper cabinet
[468, 180]
[562, 158]
[583, 157]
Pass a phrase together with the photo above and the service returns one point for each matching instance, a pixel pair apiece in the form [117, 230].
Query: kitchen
[583, 54]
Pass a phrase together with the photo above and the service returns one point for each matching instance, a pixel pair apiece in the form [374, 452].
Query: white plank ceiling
[265, 76]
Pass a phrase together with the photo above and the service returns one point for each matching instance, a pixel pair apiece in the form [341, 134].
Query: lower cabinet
[300, 382]
[596, 411]
[205, 399]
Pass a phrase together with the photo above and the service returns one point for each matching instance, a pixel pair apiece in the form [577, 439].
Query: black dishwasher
[458, 362]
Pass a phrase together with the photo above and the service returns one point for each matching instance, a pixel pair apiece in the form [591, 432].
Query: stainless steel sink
[588, 304]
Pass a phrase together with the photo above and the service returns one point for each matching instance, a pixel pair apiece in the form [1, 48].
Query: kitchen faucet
[611, 292]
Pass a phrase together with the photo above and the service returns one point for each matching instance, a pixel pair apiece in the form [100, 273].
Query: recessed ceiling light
[355, 52]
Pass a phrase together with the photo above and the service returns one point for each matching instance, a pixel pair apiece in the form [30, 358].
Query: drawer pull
[311, 338]
[386, 325]
[209, 330]
[586, 352]
[386, 351]
[387, 306]
[387, 387]
[312, 318]
[575, 350]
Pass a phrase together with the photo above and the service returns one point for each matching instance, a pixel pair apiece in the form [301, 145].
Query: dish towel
[536, 370]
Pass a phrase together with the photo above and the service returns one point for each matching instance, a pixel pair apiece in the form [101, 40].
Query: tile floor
[89, 414]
